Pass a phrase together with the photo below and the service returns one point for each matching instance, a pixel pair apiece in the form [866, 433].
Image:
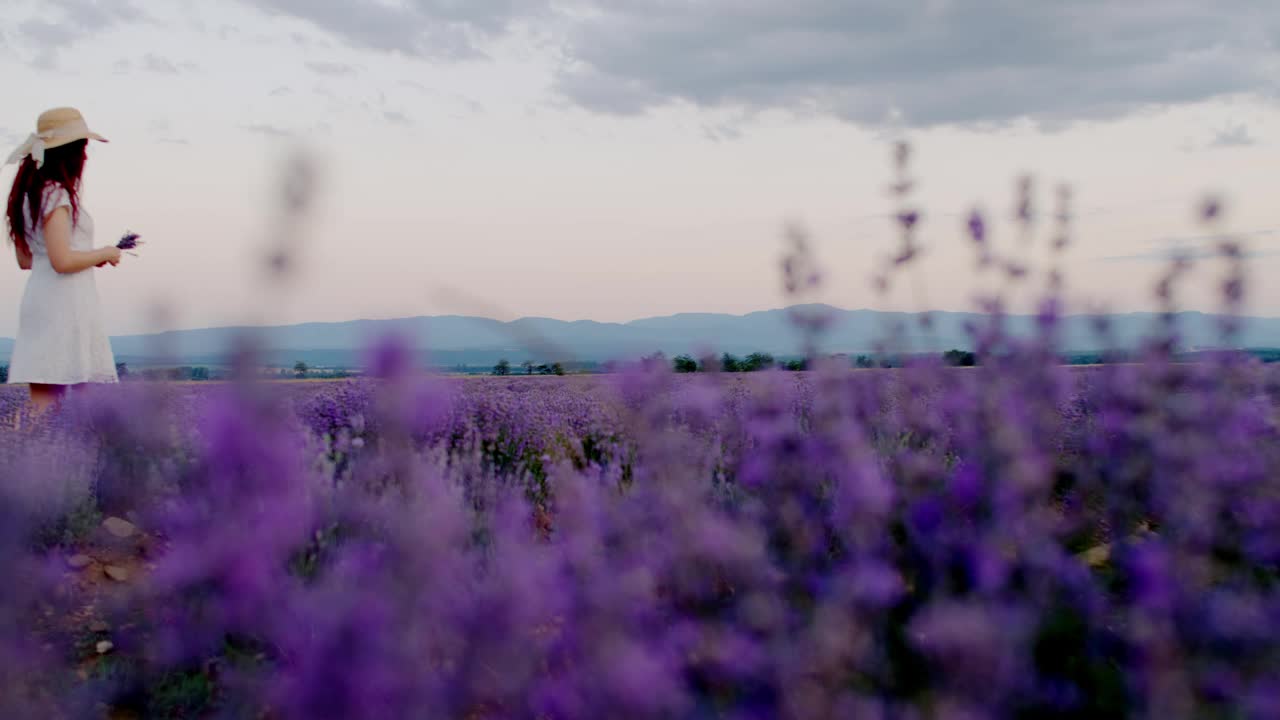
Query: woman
[61, 342]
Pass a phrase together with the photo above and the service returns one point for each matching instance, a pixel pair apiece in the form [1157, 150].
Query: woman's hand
[110, 256]
[113, 263]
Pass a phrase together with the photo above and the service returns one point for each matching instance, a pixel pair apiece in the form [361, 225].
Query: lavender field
[1013, 540]
[640, 360]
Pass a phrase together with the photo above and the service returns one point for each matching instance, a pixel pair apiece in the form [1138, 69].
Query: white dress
[61, 340]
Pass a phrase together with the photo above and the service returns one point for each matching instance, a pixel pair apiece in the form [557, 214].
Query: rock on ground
[120, 527]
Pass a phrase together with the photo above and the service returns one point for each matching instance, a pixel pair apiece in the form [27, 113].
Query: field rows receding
[1013, 540]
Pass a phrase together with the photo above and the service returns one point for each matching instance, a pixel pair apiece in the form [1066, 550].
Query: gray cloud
[42, 32]
[396, 118]
[917, 63]
[153, 63]
[1197, 247]
[465, 103]
[97, 13]
[269, 131]
[1233, 136]
[304, 41]
[440, 29]
[722, 132]
[330, 68]
[72, 20]
[156, 64]
[1171, 254]
[274, 131]
[1188, 240]
[935, 62]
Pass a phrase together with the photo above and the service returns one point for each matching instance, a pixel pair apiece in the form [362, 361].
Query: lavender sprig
[129, 242]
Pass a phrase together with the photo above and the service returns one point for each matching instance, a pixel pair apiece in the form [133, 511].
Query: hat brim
[59, 142]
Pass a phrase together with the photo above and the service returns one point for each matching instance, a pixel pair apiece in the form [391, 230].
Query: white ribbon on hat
[33, 146]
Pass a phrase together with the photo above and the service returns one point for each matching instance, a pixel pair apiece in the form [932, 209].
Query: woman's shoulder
[54, 195]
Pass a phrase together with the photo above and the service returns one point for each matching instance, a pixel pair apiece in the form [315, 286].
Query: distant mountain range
[452, 340]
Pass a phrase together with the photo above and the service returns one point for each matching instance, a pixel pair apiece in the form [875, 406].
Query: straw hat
[54, 128]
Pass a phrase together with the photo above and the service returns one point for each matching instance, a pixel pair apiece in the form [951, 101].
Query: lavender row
[1014, 539]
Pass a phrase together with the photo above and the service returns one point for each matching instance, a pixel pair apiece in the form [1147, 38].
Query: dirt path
[86, 624]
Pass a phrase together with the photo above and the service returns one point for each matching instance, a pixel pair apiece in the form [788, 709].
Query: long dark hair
[62, 165]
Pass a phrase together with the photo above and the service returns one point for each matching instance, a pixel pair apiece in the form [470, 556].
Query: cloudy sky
[615, 160]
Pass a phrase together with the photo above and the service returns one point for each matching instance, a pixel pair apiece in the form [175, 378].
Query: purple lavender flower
[977, 227]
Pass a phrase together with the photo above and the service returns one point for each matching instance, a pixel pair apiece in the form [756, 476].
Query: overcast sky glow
[615, 160]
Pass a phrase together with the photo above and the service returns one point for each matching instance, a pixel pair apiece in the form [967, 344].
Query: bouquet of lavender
[129, 242]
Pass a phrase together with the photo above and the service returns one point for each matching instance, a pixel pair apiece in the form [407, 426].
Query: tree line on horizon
[504, 367]
[684, 363]
[757, 361]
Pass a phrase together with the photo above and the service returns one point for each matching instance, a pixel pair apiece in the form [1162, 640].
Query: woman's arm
[57, 239]
[23, 254]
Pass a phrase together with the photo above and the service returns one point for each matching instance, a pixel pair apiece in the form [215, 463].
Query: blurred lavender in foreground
[1017, 539]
